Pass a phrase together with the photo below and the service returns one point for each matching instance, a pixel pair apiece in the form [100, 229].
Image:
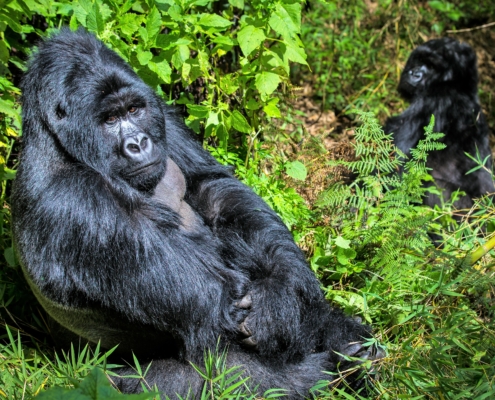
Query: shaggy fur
[166, 259]
[440, 78]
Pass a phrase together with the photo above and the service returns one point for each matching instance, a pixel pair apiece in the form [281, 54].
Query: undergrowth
[431, 303]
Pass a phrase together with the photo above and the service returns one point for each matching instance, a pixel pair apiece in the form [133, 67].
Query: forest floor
[330, 133]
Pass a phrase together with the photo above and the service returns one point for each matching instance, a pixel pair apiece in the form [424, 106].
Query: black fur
[164, 268]
[440, 78]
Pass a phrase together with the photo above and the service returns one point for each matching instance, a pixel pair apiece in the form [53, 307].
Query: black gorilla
[130, 233]
[440, 78]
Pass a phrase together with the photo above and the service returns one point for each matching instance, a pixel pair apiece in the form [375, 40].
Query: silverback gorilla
[441, 79]
[130, 233]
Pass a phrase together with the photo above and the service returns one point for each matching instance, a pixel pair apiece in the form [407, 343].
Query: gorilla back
[130, 233]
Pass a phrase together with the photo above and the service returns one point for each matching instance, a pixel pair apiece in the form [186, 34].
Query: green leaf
[162, 69]
[237, 3]
[7, 108]
[198, 111]
[342, 243]
[12, 24]
[296, 170]
[271, 108]
[213, 20]
[267, 82]
[94, 387]
[144, 57]
[153, 23]
[95, 20]
[295, 53]
[240, 123]
[228, 84]
[250, 38]
[286, 19]
[10, 256]
[129, 23]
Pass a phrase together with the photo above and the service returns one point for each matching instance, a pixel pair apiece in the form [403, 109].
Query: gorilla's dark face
[98, 111]
[438, 63]
[137, 156]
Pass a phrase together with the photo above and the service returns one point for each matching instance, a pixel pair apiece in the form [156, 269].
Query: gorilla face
[138, 155]
[437, 64]
[99, 112]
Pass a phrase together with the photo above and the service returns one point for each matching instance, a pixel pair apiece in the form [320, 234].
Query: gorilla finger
[250, 342]
[245, 302]
[244, 329]
[352, 349]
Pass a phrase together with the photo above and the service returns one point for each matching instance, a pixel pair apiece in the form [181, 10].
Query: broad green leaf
[212, 119]
[95, 20]
[237, 3]
[175, 12]
[213, 20]
[129, 23]
[272, 111]
[12, 24]
[296, 170]
[343, 243]
[250, 38]
[286, 19]
[295, 53]
[240, 123]
[144, 57]
[162, 69]
[7, 108]
[198, 110]
[10, 256]
[153, 23]
[267, 82]
[4, 51]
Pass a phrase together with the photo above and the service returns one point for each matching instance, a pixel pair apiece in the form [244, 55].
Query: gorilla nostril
[133, 148]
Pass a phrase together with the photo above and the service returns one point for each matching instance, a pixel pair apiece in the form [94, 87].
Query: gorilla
[440, 78]
[130, 233]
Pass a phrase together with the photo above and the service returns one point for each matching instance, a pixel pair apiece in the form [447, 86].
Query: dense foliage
[229, 65]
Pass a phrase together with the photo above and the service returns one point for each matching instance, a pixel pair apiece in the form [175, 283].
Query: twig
[482, 250]
[472, 29]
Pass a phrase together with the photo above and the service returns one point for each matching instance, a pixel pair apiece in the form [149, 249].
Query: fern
[381, 210]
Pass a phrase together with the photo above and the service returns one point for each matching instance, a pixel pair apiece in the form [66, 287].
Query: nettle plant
[228, 56]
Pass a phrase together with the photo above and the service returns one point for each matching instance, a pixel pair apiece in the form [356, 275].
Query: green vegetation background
[231, 66]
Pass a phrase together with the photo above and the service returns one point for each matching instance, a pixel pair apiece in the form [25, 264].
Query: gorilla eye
[133, 109]
[416, 74]
[111, 120]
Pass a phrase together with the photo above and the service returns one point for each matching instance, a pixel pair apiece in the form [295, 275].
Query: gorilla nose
[137, 147]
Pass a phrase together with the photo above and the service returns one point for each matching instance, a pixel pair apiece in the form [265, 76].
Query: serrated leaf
[267, 82]
[250, 38]
[144, 57]
[162, 69]
[240, 123]
[228, 84]
[153, 23]
[129, 23]
[213, 20]
[286, 19]
[296, 170]
[94, 20]
[272, 111]
[295, 53]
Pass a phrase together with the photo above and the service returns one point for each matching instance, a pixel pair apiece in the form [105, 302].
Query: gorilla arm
[90, 249]
[284, 294]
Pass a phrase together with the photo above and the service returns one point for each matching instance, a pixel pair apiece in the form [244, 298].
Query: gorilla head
[439, 63]
[126, 139]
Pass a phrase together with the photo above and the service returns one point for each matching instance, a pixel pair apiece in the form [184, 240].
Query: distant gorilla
[130, 233]
[441, 78]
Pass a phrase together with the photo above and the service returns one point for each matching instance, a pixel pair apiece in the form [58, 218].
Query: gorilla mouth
[143, 168]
